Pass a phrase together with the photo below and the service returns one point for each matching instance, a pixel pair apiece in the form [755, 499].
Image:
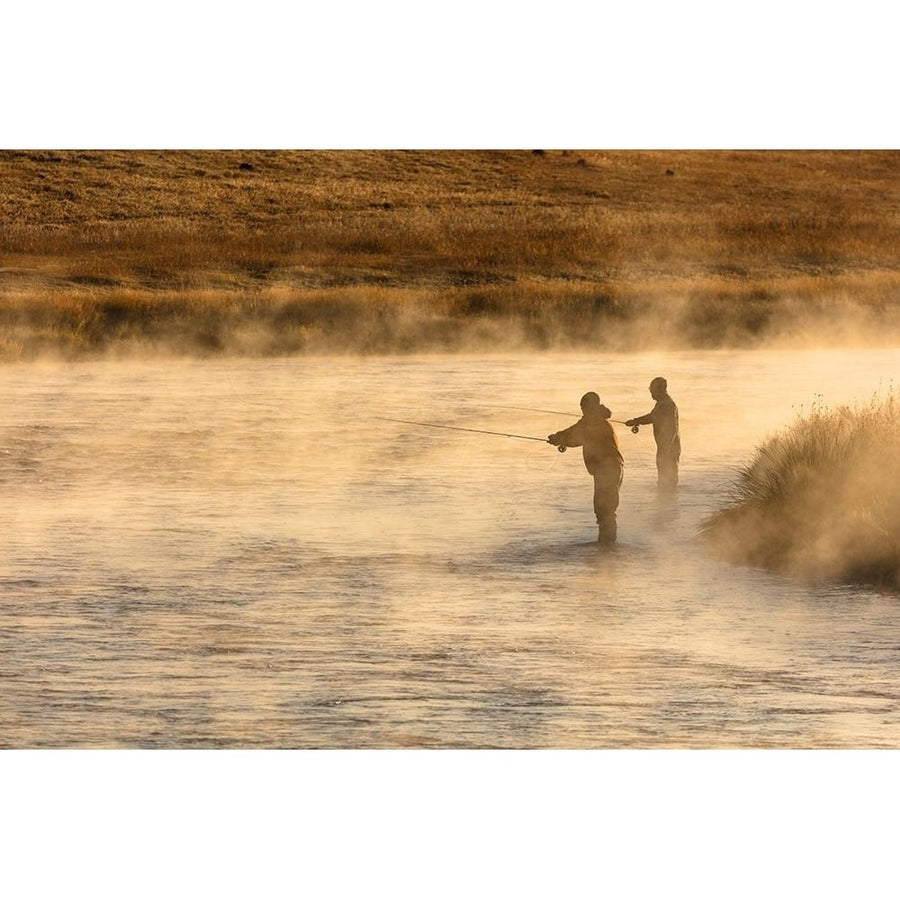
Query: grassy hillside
[393, 251]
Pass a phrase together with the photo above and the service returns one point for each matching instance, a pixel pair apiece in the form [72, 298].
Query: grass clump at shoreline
[283, 252]
[820, 499]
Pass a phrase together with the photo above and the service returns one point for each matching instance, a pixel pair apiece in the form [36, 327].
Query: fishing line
[536, 459]
[556, 412]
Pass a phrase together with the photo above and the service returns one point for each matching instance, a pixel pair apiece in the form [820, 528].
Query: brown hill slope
[396, 251]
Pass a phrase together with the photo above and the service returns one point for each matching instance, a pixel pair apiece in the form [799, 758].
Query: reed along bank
[821, 498]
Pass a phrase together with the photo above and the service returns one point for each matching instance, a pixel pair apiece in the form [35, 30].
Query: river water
[245, 554]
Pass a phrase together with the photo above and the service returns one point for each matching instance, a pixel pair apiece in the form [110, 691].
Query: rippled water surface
[244, 554]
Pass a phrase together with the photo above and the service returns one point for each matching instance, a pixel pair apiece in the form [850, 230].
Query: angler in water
[594, 433]
[664, 418]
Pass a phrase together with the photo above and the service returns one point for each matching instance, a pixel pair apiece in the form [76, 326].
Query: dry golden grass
[396, 251]
[821, 499]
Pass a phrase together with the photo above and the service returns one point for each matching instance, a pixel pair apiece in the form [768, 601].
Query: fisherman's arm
[568, 437]
[641, 420]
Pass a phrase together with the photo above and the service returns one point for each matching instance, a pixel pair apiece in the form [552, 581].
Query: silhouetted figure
[664, 418]
[593, 432]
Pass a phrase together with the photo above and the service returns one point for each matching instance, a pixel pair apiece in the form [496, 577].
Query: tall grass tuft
[820, 499]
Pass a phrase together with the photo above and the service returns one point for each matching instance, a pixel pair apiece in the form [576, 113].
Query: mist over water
[243, 554]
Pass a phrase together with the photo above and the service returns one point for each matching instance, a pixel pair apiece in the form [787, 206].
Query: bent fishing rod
[521, 437]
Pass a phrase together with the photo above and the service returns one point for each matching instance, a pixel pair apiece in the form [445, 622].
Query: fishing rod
[550, 412]
[556, 412]
[522, 437]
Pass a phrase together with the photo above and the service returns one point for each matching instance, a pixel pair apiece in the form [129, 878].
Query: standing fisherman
[664, 418]
[594, 433]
